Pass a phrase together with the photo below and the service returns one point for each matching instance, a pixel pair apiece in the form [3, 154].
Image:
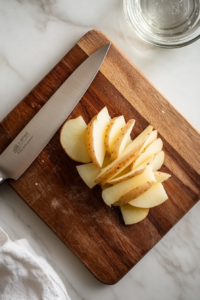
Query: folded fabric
[25, 275]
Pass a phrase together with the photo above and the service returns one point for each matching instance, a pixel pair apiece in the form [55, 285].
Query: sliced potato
[152, 137]
[133, 215]
[125, 171]
[136, 192]
[128, 175]
[142, 136]
[144, 164]
[129, 140]
[161, 176]
[121, 141]
[113, 130]
[72, 139]
[95, 137]
[113, 193]
[119, 165]
[158, 161]
[153, 197]
[127, 155]
[153, 148]
[88, 173]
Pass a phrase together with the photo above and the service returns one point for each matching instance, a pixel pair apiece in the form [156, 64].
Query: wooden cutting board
[53, 189]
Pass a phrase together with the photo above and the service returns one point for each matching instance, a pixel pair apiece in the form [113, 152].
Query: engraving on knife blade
[23, 142]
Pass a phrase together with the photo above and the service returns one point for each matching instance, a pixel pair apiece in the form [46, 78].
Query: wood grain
[53, 189]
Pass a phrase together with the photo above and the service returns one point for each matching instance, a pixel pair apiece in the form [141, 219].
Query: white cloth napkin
[26, 276]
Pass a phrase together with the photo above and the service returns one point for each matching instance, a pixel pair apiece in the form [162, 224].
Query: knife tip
[107, 47]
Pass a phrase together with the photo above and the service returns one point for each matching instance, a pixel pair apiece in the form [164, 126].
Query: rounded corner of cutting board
[94, 32]
[108, 279]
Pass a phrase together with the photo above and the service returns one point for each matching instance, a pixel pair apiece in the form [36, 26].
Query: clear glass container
[164, 23]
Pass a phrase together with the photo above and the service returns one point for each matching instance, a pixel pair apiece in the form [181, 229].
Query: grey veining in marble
[34, 36]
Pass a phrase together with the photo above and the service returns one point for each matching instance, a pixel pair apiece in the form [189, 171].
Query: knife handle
[1, 180]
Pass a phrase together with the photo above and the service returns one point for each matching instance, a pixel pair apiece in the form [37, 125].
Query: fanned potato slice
[136, 192]
[95, 137]
[113, 193]
[118, 166]
[161, 176]
[133, 215]
[142, 136]
[158, 161]
[153, 197]
[129, 140]
[72, 139]
[128, 175]
[88, 173]
[121, 141]
[144, 164]
[153, 148]
[112, 132]
[127, 156]
[125, 171]
[152, 137]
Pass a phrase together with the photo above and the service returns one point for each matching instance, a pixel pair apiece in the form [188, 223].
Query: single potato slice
[153, 148]
[125, 171]
[141, 137]
[95, 137]
[152, 137]
[136, 192]
[113, 130]
[161, 176]
[128, 141]
[118, 166]
[89, 172]
[158, 161]
[121, 141]
[128, 175]
[113, 193]
[126, 157]
[72, 139]
[133, 215]
[144, 164]
[153, 197]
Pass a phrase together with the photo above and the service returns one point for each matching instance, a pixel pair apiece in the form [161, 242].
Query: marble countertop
[34, 36]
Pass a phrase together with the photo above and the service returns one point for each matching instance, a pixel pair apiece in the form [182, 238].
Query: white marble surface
[34, 35]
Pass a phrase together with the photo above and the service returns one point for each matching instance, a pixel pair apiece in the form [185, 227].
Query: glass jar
[164, 23]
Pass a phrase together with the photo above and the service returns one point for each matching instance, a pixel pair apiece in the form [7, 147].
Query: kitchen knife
[23, 150]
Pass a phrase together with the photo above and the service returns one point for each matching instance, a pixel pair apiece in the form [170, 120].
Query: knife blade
[28, 144]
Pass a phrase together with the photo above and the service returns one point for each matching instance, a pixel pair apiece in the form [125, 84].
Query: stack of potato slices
[127, 170]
